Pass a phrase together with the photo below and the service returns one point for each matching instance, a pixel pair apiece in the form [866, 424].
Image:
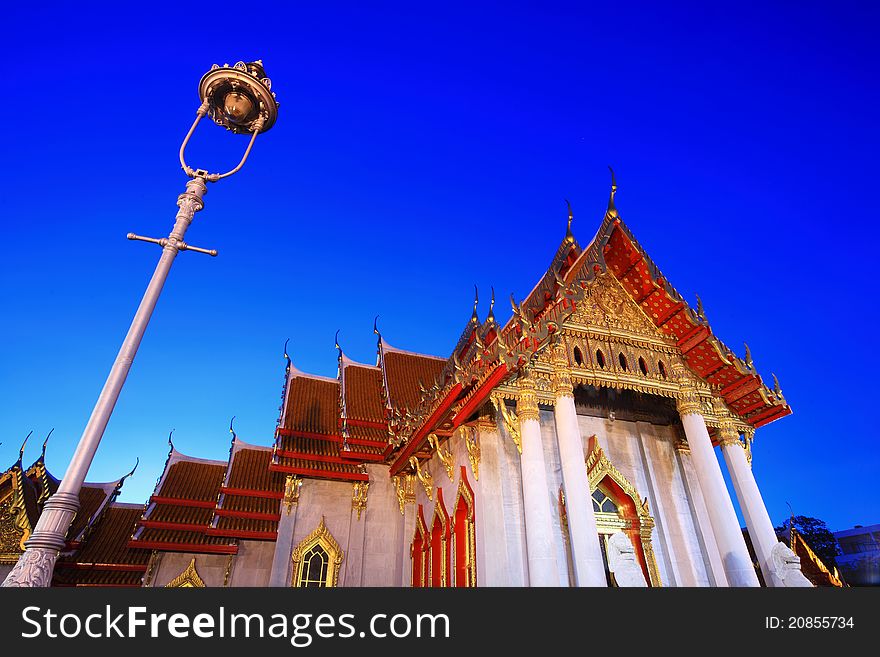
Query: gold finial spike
[376, 326]
[231, 430]
[612, 211]
[776, 387]
[21, 451]
[748, 357]
[700, 310]
[474, 318]
[568, 234]
[45, 442]
[336, 342]
[171, 442]
[491, 316]
[513, 305]
[286, 356]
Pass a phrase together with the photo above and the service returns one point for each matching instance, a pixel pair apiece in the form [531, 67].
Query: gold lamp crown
[238, 96]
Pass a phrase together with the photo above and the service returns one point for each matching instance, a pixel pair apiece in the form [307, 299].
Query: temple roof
[105, 559]
[181, 509]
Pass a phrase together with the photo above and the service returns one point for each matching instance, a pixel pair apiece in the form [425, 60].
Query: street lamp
[240, 99]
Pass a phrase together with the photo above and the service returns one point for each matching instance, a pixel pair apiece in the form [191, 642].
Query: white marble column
[586, 554]
[281, 560]
[750, 501]
[405, 489]
[543, 569]
[722, 516]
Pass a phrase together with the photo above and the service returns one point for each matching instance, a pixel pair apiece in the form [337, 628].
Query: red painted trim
[174, 526]
[121, 567]
[741, 388]
[319, 474]
[361, 456]
[415, 442]
[243, 533]
[166, 546]
[366, 423]
[179, 501]
[694, 339]
[247, 515]
[318, 458]
[249, 492]
[480, 396]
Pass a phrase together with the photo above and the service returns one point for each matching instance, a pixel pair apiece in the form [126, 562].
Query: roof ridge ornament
[474, 317]
[45, 442]
[748, 357]
[232, 430]
[490, 318]
[569, 237]
[700, 310]
[612, 211]
[21, 451]
[287, 356]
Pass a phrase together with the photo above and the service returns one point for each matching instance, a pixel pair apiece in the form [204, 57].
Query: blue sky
[418, 151]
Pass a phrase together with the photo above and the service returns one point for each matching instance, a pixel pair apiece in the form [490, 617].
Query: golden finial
[612, 211]
[45, 442]
[491, 316]
[748, 358]
[700, 310]
[21, 451]
[170, 442]
[376, 326]
[777, 390]
[474, 318]
[231, 430]
[286, 356]
[336, 342]
[568, 236]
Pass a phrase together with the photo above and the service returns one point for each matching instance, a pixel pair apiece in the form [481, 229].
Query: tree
[816, 534]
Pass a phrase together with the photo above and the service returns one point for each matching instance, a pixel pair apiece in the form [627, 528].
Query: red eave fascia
[249, 492]
[740, 388]
[246, 515]
[121, 567]
[173, 526]
[333, 438]
[178, 501]
[351, 455]
[766, 417]
[694, 339]
[489, 384]
[318, 458]
[416, 440]
[319, 474]
[167, 546]
[243, 533]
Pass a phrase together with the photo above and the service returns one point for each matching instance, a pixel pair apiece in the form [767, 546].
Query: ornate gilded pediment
[607, 305]
[188, 579]
[15, 527]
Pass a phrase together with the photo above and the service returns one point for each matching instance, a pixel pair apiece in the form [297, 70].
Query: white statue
[787, 566]
[622, 561]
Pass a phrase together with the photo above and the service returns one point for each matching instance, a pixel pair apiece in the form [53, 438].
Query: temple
[573, 444]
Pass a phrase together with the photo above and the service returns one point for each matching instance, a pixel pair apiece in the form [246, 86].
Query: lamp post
[240, 99]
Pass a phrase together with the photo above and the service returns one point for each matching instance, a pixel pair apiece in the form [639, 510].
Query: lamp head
[238, 95]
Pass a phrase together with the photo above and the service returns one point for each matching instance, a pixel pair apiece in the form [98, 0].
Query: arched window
[578, 356]
[662, 368]
[439, 552]
[418, 549]
[316, 559]
[602, 503]
[600, 358]
[622, 360]
[643, 366]
[464, 535]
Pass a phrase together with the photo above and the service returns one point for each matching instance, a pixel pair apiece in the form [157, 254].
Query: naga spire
[287, 356]
[700, 310]
[777, 389]
[137, 462]
[170, 441]
[45, 442]
[568, 235]
[21, 451]
[491, 317]
[474, 317]
[748, 357]
[612, 211]
[376, 326]
[232, 430]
